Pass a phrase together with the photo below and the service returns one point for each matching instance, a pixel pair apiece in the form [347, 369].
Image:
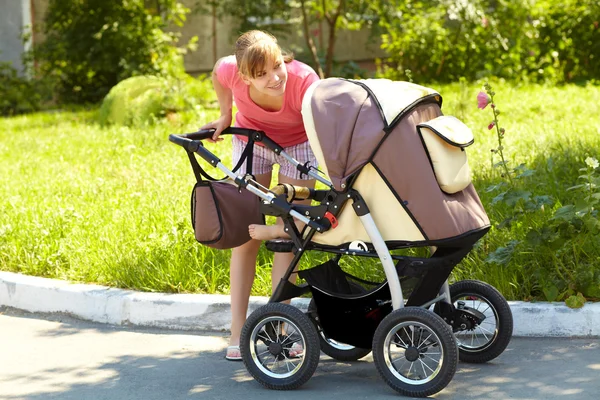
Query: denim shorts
[264, 159]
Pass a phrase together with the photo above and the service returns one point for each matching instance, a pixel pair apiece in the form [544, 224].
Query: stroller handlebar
[192, 142]
[257, 136]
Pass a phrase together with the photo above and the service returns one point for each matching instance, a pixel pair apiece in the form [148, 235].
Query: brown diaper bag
[221, 212]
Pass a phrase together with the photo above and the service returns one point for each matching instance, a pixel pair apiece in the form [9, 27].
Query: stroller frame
[277, 206]
[434, 272]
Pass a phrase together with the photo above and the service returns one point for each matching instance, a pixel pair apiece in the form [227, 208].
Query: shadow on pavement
[63, 358]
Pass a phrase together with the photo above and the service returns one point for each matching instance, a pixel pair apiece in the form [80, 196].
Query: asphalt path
[57, 357]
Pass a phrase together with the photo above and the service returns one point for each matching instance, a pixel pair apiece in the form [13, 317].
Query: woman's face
[272, 79]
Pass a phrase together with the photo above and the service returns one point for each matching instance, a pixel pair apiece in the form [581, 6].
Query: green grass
[110, 205]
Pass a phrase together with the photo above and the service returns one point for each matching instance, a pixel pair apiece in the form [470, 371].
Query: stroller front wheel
[415, 352]
[480, 342]
[279, 346]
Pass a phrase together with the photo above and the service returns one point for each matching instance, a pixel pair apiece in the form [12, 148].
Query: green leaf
[493, 188]
[575, 187]
[542, 237]
[514, 196]
[575, 301]
[502, 255]
[566, 213]
[581, 205]
[550, 163]
[550, 291]
[592, 290]
[507, 222]
[544, 200]
[592, 224]
[526, 173]
[498, 198]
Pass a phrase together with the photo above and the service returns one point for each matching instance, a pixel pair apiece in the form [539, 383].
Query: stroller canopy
[364, 135]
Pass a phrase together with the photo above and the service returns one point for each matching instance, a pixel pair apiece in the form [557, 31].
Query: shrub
[569, 39]
[19, 94]
[92, 45]
[445, 40]
[142, 100]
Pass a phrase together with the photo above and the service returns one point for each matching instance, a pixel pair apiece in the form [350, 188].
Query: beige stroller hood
[364, 135]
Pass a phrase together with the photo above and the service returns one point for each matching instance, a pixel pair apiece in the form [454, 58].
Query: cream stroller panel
[389, 215]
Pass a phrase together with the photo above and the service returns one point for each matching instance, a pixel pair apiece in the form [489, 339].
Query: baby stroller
[397, 179]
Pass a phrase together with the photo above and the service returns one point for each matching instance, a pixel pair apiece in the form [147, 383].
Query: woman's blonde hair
[254, 49]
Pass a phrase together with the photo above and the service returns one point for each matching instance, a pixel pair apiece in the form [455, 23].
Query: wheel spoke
[423, 368]
[484, 331]
[423, 342]
[264, 338]
[278, 332]
[431, 358]
[488, 308]
[264, 352]
[267, 332]
[399, 358]
[286, 340]
[425, 365]
[409, 369]
[405, 346]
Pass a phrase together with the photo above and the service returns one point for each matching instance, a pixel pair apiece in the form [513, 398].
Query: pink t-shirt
[284, 126]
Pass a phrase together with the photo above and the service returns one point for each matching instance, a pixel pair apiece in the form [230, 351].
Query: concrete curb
[211, 312]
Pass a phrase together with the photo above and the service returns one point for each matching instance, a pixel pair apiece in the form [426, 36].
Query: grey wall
[15, 15]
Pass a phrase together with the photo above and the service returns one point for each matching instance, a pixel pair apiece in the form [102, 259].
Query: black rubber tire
[433, 322]
[503, 314]
[311, 351]
[341, 354]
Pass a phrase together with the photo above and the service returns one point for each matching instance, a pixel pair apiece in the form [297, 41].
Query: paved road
[55, 357]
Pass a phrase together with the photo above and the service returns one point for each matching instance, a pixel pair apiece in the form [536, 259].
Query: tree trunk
[332, 22]
[310, 42]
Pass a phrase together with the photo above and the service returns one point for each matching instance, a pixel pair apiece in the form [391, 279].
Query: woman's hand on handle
[219, 125]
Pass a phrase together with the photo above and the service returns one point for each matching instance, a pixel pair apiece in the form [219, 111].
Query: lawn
[110, 205]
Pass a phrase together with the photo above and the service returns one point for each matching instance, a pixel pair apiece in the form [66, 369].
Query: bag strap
[247, 154]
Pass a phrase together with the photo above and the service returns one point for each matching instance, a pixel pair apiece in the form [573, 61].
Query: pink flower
[483, 100]
[491, 125]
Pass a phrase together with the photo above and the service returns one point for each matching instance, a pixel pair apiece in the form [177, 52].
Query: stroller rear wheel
[334, 349]
[415, 352]
[480, 342]
[279, 346]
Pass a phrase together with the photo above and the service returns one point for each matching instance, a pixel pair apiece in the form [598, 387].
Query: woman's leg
[241, 276]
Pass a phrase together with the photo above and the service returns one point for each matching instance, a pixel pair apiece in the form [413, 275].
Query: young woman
[267, 86]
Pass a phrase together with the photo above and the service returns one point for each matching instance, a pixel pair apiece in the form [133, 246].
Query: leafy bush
[19, 94]
[566, 245]
[142, 100]
[534, 41]
[569, 39]
[92, 45]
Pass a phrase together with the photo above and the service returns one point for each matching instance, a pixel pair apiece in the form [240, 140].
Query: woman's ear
[245, 79]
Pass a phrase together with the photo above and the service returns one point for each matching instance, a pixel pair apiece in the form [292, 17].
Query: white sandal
[237, 357]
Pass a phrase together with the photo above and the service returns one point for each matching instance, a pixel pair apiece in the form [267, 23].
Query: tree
[92, 45]
[282, 16]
